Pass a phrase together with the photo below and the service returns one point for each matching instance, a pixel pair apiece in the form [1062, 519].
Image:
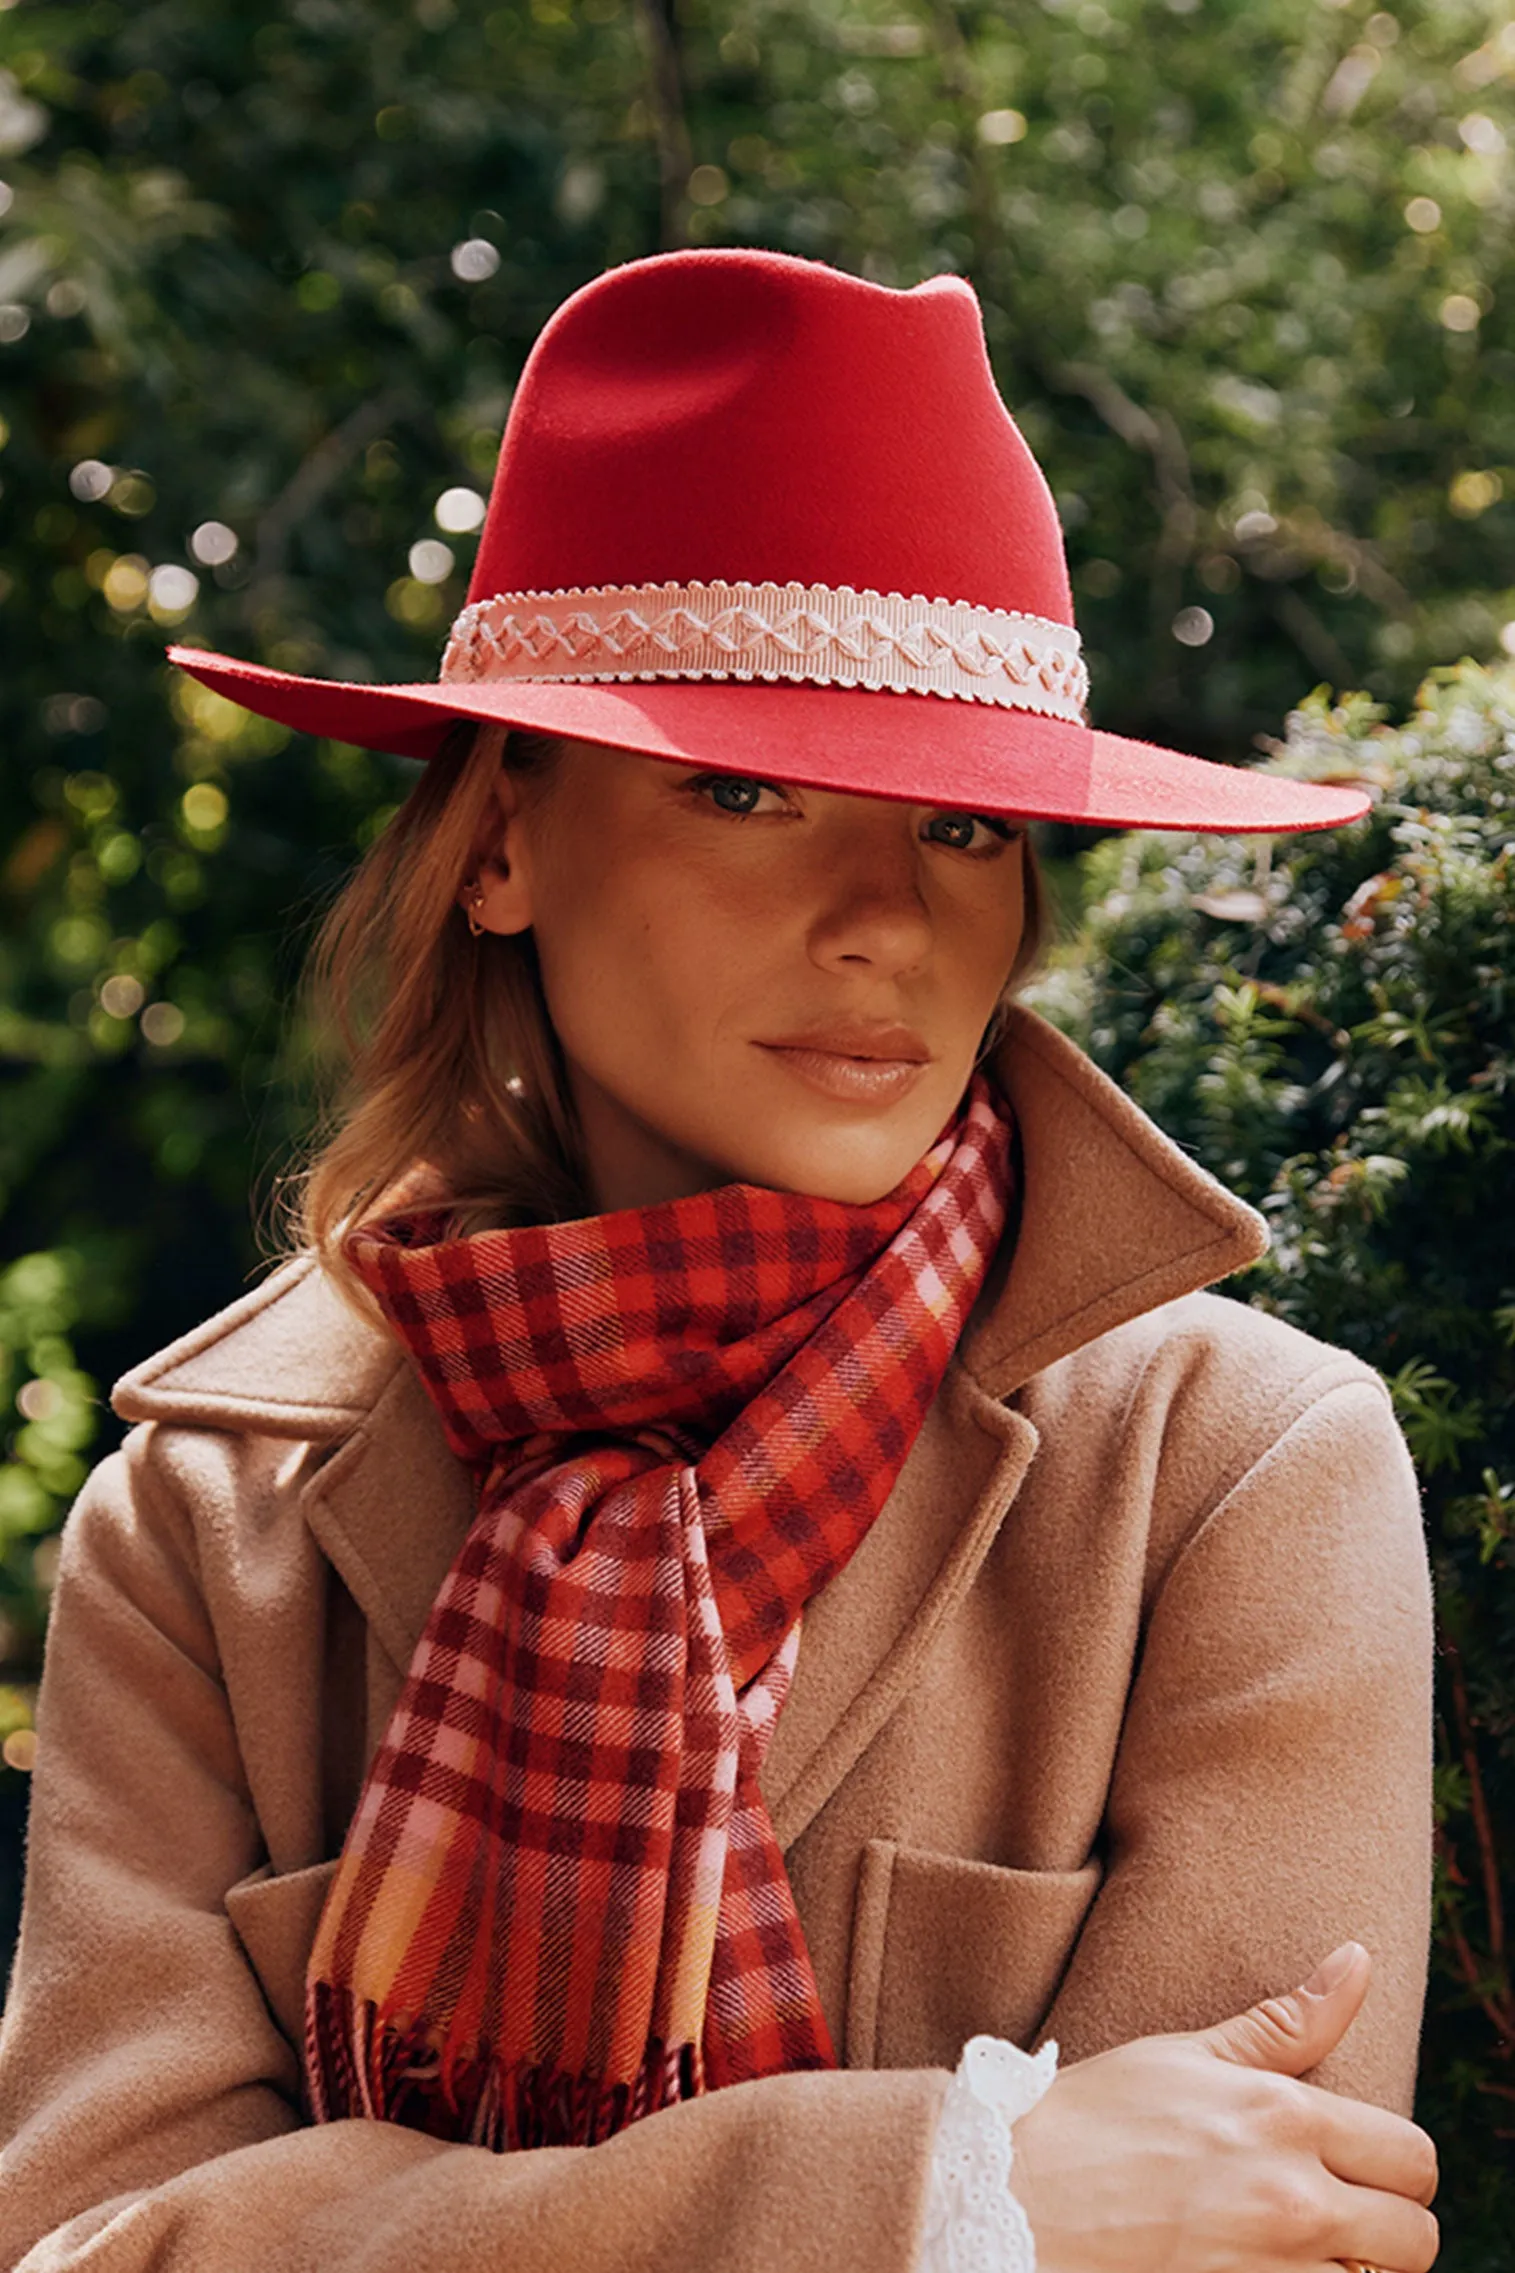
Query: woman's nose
[873, 911]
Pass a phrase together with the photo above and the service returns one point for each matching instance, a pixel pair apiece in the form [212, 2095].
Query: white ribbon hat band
[820, 634]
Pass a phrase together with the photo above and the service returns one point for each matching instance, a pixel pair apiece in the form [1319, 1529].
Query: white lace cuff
[974, 2224]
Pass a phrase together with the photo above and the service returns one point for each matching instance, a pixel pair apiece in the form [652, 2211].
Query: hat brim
[919, 748]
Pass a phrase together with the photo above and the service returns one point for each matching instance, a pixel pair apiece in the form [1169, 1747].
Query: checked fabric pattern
[560, 1904]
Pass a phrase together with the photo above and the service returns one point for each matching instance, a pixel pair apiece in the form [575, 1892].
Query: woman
[736, 1565]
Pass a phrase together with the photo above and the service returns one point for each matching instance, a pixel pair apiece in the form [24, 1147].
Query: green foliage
[1327, 1024]
[53, 1424]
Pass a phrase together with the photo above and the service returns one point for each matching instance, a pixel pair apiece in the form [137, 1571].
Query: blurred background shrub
[1326, 1022]
[268, 274]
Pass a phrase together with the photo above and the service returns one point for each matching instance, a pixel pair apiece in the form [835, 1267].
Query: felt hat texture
[755, 514]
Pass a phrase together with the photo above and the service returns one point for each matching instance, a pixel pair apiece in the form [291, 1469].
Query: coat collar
[1114, 1219]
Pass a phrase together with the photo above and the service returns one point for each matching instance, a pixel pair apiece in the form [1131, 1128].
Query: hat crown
[751, 417]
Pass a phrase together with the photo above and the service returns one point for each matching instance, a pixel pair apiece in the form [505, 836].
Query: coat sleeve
[1272, 1792]
[149, 2115]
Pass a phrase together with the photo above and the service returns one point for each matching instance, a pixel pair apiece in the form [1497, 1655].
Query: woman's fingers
[1382, 2230]
[1289, 2034]
[1370, 2146]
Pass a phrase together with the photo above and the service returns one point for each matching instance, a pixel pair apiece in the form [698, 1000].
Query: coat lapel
[1113, 1220]
[863, 1638]
[391, 1508]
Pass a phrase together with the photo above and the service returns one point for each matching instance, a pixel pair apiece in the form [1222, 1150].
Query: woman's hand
[1204, 2154]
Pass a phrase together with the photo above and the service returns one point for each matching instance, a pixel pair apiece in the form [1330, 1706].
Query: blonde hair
[439, 1070]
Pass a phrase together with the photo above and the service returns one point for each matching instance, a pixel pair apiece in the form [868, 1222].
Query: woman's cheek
[621, 1006]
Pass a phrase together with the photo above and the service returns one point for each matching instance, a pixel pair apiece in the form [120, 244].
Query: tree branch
[316, 473]
[1478, 1807]
[1157, 434]
[670, 118]
[1319, 649]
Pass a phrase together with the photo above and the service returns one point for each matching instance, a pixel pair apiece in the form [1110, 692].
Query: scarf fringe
[356, 2062]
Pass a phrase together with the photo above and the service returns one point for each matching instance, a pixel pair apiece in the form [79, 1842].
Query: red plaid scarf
[561, 1903]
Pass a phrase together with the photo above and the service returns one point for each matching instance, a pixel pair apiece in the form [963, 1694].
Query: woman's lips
[867, 1080]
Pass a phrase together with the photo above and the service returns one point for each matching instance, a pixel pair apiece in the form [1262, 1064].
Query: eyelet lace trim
[974, 2224]
[825, 634]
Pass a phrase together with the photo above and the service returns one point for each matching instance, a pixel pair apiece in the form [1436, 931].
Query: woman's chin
[855, 1165]
[782, 1131]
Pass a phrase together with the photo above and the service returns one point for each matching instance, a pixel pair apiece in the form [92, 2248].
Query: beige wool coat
[1118, 1720]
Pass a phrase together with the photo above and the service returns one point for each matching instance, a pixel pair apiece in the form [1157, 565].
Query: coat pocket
[943, 1949]
[275, 1917]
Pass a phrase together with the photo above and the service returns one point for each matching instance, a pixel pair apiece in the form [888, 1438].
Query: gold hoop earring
[475, 902]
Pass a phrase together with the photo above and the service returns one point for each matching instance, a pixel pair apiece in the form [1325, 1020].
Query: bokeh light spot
[430, 561]
[474, 261]
[998, 127]
[39, 1400]
[418, 605]
[122, 996]
[125, 583]
[459, 510]
[91, 479]
[1193, 627]
[1481, 135]
[204, 806]
[213, 544]
[1473, 493]
[162, 1024]
[132, 494]
[171, 592]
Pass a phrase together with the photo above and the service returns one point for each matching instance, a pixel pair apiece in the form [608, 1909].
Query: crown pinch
[819, 634]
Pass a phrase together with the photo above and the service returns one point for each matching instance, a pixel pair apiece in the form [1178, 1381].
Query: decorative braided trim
[826, 635]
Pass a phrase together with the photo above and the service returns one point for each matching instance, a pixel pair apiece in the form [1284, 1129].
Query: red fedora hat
[755, 514]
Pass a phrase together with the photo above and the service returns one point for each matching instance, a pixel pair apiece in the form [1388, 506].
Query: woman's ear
[495, 895]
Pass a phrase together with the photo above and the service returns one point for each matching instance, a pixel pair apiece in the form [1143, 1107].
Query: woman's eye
[732, 792]
[741, 794]
[959, 831]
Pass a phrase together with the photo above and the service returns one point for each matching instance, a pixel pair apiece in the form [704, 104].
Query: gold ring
[1357, 2265]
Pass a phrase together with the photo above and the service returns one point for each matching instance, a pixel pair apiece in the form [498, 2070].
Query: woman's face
[753, 982]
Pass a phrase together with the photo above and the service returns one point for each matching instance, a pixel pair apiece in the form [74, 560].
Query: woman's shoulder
[228, 1419]
[1214, 1382]
[289, 1358]
[1215, 1336]
[283, 1430]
